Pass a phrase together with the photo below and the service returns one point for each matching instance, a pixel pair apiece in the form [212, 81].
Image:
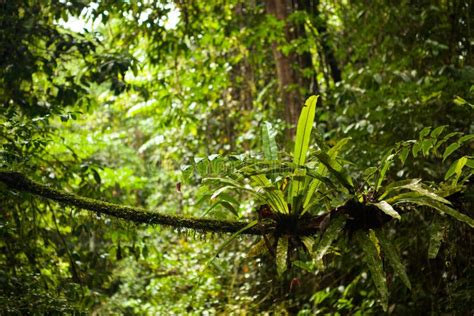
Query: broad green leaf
[425, 131]
[440, 207]
[282, 254]
[416, 148]
[426, 145]
[303, 130]
[437, 131]
[392, 255]
[387, 209]
[465, 138]
[437, 233]
[404, 154]
[332, 232]
[374, 263]
[456, 168]
[449, 150]
[270, 148]
[445, 139]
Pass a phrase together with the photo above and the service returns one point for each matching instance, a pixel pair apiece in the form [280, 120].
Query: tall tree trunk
[287, 81]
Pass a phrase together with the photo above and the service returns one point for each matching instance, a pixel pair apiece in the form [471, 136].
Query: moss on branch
[20, 182]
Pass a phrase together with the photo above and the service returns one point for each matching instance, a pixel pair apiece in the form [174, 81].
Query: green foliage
[106, 99]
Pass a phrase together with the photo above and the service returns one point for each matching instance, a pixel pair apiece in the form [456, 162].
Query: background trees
[109, 99]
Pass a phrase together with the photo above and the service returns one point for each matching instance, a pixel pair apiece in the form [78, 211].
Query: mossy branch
[360, 216]
[20, 182]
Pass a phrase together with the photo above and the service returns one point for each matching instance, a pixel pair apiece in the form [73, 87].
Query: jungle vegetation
[301, 157]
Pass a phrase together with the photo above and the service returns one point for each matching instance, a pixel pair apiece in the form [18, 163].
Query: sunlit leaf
[387, 209]
[270, 148]
[303, 130]
[456, 168]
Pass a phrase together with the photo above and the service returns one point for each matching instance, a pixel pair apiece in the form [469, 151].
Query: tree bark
[287, 80]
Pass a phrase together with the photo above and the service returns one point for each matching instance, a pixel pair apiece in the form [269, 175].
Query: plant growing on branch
[313, 192]
[307, 201]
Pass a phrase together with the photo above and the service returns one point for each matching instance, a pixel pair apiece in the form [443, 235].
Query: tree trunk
[287, 81]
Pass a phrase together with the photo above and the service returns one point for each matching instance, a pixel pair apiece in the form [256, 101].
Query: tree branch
[20, 182]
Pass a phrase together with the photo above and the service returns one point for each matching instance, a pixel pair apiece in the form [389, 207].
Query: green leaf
[321, 172]
[456, 168]
[336, 169]
[374, 263]
[416, 148]
[416, 186]
[445, 139]
[387, 209]
[270, 148]
[425, 131]
[465, 138]
[437, 131]
[308, 242]
[426, 145]
[404, 154]
[387, 161]
[394, 259]
[437, 233]
[440, 207]
[332, 232]
[449, 150]
[273, 196]
[303, 130]
[297, 184]
[282, 254]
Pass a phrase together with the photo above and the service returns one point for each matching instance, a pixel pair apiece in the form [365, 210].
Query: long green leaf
[303, 130]
[270, 148]
[392, 255]
[374, 263]
[443, 208]
[417, 187]
[437, 233]
[282, 254]
[387, 162]
[332, 232]
[450, 149]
